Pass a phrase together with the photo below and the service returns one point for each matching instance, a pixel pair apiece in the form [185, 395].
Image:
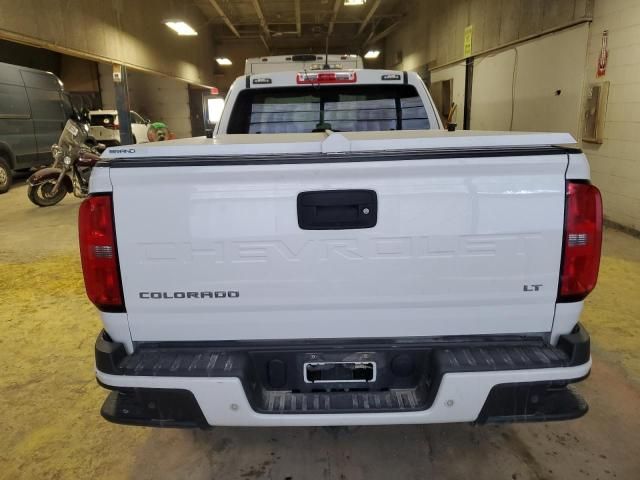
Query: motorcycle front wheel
[42, 195]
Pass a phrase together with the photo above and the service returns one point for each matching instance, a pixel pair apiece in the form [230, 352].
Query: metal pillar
[468, 90]
[122, 103]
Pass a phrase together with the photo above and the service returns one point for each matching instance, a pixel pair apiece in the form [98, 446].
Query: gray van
[33, 111]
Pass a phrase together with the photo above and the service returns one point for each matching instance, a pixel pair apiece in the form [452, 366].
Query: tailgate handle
[337, 209]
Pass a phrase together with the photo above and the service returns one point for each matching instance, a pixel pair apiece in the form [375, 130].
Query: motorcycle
[74, 156]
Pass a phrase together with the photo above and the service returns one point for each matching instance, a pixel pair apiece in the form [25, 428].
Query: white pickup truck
[333, 257]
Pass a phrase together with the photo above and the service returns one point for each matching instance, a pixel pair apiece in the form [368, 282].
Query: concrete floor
[49, 402]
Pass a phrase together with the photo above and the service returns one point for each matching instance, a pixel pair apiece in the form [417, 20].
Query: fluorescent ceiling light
[181, 28]
[351, 3]
[372, 54]
[223, 61]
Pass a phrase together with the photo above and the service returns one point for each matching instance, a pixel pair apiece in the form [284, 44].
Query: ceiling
[284, 26]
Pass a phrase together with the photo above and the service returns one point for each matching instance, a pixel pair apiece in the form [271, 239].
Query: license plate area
[339, 372]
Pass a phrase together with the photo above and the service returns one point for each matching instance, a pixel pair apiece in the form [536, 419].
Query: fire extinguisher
[604, 56]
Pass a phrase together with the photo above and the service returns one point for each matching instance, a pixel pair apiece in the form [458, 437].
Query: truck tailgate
[463, 244]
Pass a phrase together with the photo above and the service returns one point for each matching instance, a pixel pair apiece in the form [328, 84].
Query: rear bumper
[466, 380]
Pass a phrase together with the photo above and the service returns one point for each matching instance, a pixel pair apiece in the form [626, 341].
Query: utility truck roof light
[181, 28]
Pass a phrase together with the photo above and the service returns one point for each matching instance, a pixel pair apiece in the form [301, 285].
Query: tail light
[325, 77]
[112, 126]
[99, 254]
[582, 242]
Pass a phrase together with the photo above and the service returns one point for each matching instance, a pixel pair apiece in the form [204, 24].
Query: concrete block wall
[237, 51]
[129, 32]
[433, 32]
[536, 85]
[18, 54]
[162, 99]
[157, 98]
[79, 75]
[615, 164]
[539, 82]
[455, 73]
[521, 60]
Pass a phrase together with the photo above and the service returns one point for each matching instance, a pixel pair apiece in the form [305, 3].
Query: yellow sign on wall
[468, 35]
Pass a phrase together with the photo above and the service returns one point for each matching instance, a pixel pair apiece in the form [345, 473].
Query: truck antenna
[326, 54]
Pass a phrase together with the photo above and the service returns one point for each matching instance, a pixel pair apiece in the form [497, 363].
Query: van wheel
[6, 176]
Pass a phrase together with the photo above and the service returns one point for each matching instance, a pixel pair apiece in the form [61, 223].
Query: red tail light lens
[325, 77]
[582, 242]
[99, 255]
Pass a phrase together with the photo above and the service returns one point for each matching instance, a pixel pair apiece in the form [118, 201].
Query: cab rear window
[345, 108]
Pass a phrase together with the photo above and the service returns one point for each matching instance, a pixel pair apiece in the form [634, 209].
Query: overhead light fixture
[224, 61]
[181, 28]
[352, 3]
[372, 54]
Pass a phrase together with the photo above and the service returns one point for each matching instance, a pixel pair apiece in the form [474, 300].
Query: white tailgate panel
[457, 241]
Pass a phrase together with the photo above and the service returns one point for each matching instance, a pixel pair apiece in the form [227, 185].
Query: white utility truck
[332, 256]
[301, 62]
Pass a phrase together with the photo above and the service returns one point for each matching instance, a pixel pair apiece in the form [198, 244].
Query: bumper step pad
[394, 400]
[199, 362]
[519, 402]
[500, 358]
[183, 363]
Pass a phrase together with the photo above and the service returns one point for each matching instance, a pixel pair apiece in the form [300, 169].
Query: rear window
[102, 120]
[344, 108]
